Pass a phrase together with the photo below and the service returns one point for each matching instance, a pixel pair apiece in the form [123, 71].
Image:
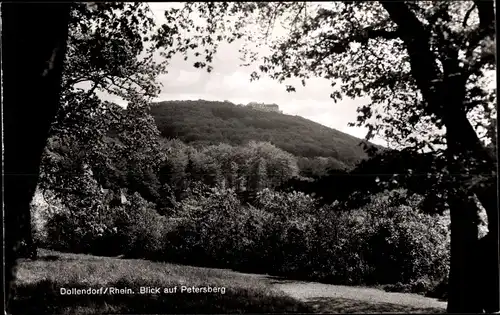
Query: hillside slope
[208, 122]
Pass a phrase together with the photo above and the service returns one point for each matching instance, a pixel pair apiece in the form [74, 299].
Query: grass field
[38, 288]
[39, 283]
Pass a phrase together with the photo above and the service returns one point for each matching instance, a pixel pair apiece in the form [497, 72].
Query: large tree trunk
[471, 258]
[34, 45]
[490, 250]
[444, 92]
[464, 274]
[463, 293]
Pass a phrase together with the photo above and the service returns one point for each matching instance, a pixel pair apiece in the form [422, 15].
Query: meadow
[37, 289]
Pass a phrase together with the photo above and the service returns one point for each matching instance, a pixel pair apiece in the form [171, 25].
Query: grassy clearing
[354, 306]
[39, 283]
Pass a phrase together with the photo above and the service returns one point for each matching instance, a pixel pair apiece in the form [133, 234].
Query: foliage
[202, 123]
[385, 242]
[109, 48]
[249, 232]
[435, 78]
[139, 229]
[218, 209]
[352, 37]
[43, 207]
[318, 166]
[108, 52]
[253, 166]
[425, 66]
[387, 170]
[127, 156]
[290, 205]
[408, 92]
[134, 229]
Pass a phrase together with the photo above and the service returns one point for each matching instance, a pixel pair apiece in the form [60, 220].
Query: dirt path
[346, 299]
[327, 298]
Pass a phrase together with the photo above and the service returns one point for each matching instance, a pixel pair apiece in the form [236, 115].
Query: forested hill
[208, 122]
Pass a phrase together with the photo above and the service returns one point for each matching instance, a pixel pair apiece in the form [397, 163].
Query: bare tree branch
[467, 15]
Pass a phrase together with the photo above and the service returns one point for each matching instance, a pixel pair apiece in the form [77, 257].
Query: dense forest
[209, 122]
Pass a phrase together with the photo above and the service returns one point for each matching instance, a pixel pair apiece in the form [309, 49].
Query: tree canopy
[361, 48]
[108, 52]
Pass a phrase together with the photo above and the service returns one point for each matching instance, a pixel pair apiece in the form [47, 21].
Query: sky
[228, 81]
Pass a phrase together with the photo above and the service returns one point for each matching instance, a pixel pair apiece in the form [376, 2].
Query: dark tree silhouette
[33, 48]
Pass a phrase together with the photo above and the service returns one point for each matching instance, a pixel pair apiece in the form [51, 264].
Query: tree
[103, 44]
[173, 171]
[279, 165]
[33, 49]
[258, 179]
[108, 52]
[117, 149]
[224, 155]
[424, 66]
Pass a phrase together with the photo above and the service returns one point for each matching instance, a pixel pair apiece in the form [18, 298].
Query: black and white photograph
[250, 157]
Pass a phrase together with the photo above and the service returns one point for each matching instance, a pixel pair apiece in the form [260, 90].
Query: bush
[297, 237]
[385, 243]
[253, 250]
[76, 232]
[439, 289]
[217, 229]
[133, 229]
[140, 229]
[286, 204]
[221, 232]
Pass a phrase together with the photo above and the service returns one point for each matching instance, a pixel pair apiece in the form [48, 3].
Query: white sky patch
[102, 95]
[180, 78]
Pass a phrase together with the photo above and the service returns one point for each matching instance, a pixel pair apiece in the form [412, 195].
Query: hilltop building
[265, 107]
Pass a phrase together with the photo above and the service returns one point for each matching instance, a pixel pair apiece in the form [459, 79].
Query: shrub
[252, 250]
[43, 207]
[385, 243]
[287, 204]
[60, 232]
[79, 232]
[134, 229]
[297, 237]
[214, 227]
[217, 230]
[439, 289]
[288, 237]
[140, 229]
